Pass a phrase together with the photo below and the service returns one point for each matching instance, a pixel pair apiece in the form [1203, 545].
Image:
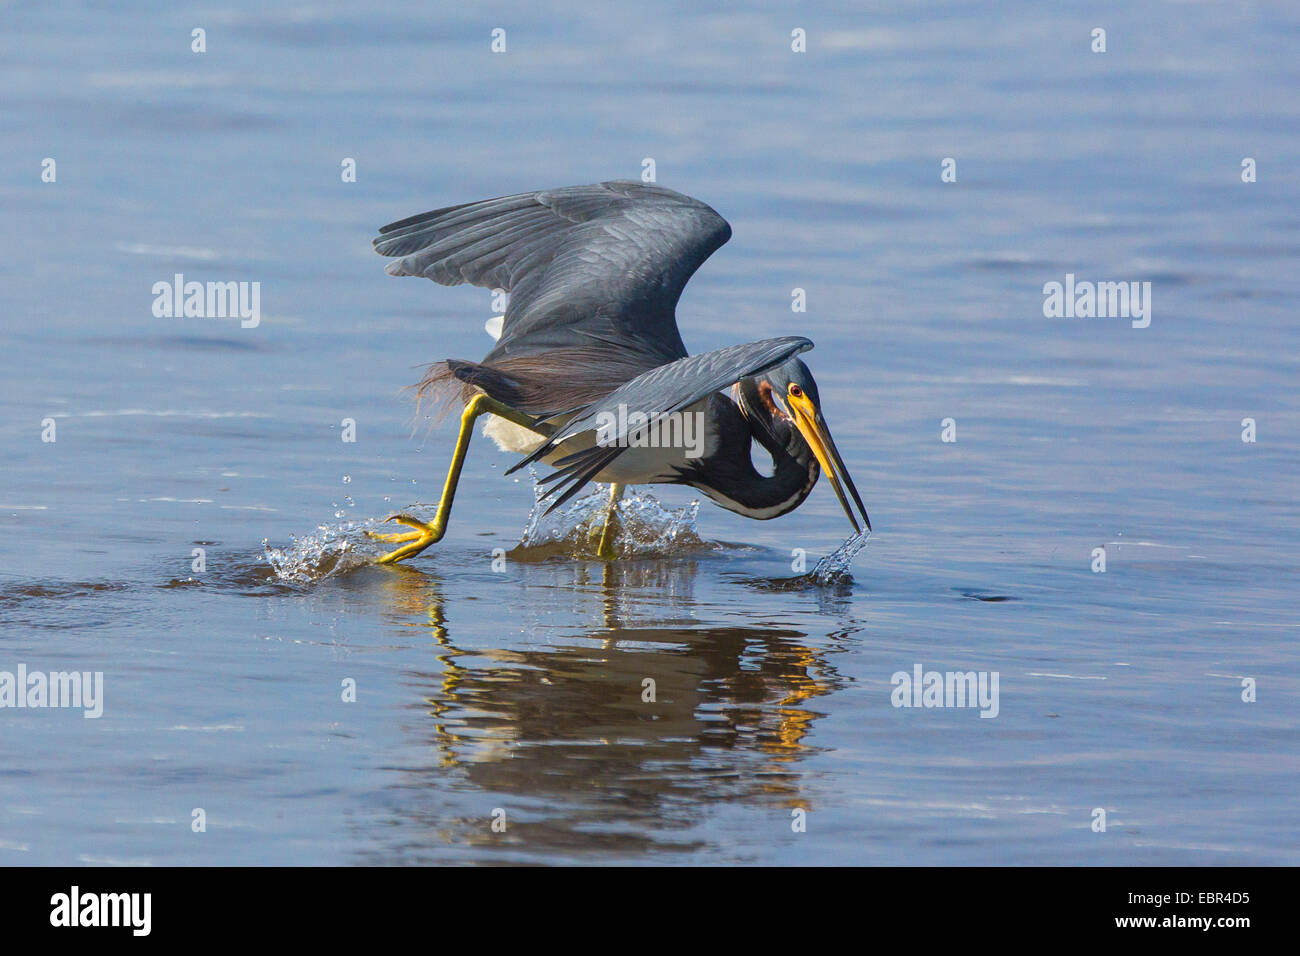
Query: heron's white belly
[511, 437]
[634, 466]
[643, 466]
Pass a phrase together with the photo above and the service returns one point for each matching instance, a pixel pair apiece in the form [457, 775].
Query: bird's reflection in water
[619, 738]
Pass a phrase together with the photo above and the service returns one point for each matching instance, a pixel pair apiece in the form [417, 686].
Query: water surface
[520, 689]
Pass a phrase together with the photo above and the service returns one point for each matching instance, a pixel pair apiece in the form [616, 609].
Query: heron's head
[785, 403]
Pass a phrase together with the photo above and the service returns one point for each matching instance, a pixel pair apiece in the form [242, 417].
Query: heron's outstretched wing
[654, 394]
[600, 265]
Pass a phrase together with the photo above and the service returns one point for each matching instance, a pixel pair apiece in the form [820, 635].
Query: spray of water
[835, 567]
[644, 526]
[328, 551]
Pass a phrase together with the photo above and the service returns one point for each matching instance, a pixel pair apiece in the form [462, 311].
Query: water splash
[644, 526]
[330, 550]
[834, 568]
[831, 575]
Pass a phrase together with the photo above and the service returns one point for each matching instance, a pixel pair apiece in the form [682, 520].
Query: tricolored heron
[589, 360]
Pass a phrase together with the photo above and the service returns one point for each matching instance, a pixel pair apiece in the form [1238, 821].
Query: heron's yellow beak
[808, 419]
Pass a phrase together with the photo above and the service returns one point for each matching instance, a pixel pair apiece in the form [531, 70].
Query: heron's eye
[796, 391]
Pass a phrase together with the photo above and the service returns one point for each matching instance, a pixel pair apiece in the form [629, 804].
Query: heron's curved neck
[737, 485]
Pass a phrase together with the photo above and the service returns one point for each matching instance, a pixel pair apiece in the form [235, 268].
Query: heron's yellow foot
[394, 538]
[413, 542]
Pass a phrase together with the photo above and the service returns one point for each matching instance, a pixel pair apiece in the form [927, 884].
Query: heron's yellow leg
[609, 527]
[427, 533]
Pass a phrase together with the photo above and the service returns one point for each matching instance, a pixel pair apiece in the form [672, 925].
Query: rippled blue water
[521, 690]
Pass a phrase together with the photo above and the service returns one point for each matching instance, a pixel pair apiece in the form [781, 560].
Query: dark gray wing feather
[655, 393]
[596, 265]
